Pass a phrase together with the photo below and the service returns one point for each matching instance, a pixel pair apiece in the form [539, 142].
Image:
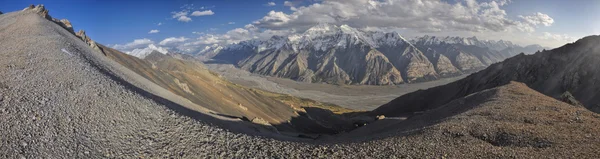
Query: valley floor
[357, 97]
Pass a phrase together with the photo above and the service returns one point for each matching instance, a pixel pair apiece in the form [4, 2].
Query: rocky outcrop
[67, 25]
[568, 98]
[42, 11]
[81, 34]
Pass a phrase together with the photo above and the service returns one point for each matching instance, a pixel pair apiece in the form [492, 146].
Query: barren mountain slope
[190, 80]
[571, 68]
[506, 121]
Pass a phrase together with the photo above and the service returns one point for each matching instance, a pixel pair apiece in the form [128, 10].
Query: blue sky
[546, 22]
[119, 21]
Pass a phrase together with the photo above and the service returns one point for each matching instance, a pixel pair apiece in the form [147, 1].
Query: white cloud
[288, 4]
[557, 37]
[153, 31]
[485, 19]
[231, 23]
[179, 14]
[271, 4]
[137, 43]
[203, 13]
[173, 40]
[420, 15]
[184, 19]
[537, 19]
[160, 23]
[207, 39]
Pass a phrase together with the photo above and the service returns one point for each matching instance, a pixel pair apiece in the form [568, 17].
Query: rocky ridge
[345, 55]
[334, 54]
[570, 68]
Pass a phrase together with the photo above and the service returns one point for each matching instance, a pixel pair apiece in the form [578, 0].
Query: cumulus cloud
[153, 31]
[203, 13]
[181, 16]
[184, 19]
[271, 4]
[236, 35]
[137, 43]
[537, 19]
[420, 15]
[172, 40]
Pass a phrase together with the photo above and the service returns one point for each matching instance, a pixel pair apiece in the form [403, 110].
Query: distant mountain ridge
[568, 70]
[345, 55]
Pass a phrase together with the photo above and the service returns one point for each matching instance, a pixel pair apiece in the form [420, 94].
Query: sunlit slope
[191, 80]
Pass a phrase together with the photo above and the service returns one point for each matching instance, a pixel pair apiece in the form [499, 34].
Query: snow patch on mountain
[142, 53]
[323, 37]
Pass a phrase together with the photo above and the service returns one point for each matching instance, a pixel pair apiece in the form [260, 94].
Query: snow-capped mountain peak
[322, 29]
[325, 36]
[142, 53]
[434, 40]
[215, 48]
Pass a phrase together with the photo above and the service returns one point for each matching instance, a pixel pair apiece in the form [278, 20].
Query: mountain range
[345, 55]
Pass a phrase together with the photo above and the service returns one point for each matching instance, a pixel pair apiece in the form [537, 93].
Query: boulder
[86, 39]
[67, 25]
[568, 98]
[265, 124]
[260, 121]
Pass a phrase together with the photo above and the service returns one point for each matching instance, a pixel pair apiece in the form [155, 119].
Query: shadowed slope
[571, 68]
[507, 121]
